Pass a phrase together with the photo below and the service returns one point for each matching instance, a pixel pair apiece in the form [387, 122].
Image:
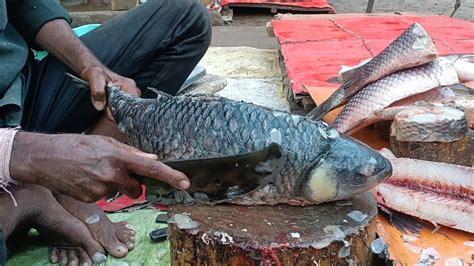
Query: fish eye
[359, 180]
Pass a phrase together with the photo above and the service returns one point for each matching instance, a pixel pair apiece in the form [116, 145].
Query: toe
[126, 234]
[54, 256]
[113, 245]
[84, 259]
[63, 257]
[61, 222]
[73, 260]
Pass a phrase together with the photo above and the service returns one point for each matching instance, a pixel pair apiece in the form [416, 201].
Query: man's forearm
[58, 38]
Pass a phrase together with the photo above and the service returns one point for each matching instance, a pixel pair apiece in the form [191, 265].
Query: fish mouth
[385, 171]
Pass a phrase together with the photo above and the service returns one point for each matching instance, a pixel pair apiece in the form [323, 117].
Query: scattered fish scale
[319, 164]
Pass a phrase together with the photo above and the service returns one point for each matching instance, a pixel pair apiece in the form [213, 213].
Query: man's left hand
[98, 78]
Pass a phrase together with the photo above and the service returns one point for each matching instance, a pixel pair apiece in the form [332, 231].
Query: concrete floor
[248, 27]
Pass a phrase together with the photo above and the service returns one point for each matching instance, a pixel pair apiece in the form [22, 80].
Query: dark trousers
[157, 44]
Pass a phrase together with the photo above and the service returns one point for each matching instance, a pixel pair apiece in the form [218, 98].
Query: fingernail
[99, 258]
[183, 184]
[99, 105]
[129, 226]
[85, 264]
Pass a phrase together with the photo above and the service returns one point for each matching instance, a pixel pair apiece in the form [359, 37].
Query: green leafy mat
[144, 253]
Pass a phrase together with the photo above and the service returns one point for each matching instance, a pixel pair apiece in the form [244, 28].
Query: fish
[438, 97]
[444, 71]
[434, 97]
[440, 193]
[414, 47]
[318, 163]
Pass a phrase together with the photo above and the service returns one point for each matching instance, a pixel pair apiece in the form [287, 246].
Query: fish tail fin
[335, 100]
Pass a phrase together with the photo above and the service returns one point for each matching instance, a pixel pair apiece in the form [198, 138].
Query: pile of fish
[409, 70]
[408, 74]
[437, 192]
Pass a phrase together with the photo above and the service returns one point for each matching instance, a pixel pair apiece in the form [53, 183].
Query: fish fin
[206, 97]
[336, 99]
[335, 80]
[387, 153]
[403, 222]
[348, 75]
[461, 89]
[159, 94]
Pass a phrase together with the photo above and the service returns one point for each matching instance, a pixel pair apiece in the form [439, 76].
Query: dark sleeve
[28, 16]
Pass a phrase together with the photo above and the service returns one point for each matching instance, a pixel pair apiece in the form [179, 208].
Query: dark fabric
[3, 249]
[19, 20]
[157, 44]
[28, 16]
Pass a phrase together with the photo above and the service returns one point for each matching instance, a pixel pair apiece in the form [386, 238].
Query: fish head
[347, 168]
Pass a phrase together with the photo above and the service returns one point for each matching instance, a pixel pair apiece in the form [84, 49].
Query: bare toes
[84, 259]
[126, 234]
[63, 256]
[73, 260]
[54, 256]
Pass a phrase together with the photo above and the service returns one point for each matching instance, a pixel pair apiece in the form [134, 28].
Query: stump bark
[433, 134]
[275, 235]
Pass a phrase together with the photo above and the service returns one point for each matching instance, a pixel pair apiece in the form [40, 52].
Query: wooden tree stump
[433, 133]
[327, 234]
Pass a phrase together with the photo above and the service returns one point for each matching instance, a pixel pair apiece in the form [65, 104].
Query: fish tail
[335, 100]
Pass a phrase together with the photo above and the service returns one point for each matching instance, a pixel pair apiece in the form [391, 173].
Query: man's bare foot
[38, 208]
[116, 238]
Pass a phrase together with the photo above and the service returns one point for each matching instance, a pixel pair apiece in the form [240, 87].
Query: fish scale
[316, 159]
[382, 93]
[414, 47]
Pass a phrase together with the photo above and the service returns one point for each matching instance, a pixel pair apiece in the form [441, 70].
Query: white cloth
[7, 136]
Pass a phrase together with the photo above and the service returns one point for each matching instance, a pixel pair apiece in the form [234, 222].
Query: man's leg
[157, 44]
[38, 208]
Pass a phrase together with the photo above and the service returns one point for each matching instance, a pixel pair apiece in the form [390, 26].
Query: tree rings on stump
[327, 234]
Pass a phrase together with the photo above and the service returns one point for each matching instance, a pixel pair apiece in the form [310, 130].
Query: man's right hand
[86, 167]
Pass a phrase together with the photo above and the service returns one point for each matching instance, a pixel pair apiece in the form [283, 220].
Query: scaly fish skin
[413, 48]
[384, 92]
[320, 165]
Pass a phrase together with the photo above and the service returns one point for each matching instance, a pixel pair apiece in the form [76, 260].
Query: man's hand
[57, 37]
[98, 78]
[86, 167]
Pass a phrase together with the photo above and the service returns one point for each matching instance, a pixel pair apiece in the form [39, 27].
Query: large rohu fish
[318, 163]
[365, 105]
[412, 48]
